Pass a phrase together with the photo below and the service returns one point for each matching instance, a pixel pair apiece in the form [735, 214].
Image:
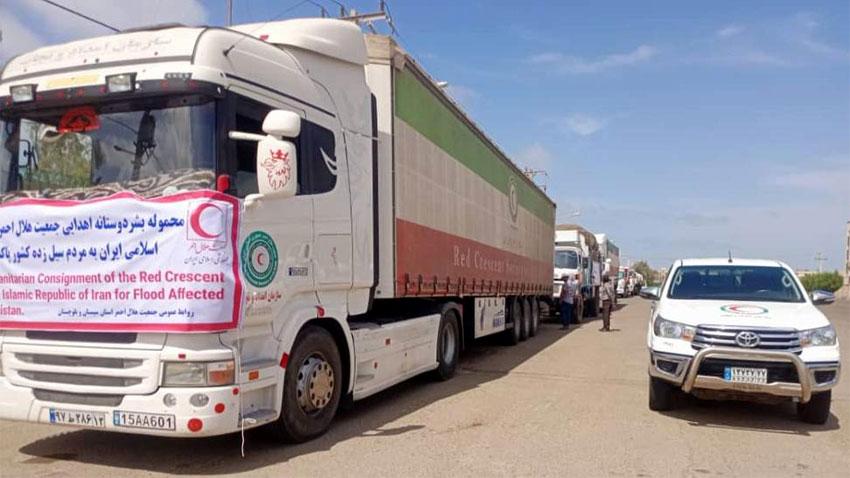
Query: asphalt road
[559, 404]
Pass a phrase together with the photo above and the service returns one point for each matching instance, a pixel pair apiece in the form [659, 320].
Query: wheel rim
[535, 316]
[449, 344]
[517, 313]
[315, 384]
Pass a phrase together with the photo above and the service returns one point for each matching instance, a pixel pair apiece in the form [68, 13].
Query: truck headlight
[820, 336]
[198, 374]
[672, 330]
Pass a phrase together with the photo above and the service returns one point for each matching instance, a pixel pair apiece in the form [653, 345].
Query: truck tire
[448, 346]
[312, 386]
[662, 395]
[817, 410]
[514, 311]
[535, 316]
[526, 318]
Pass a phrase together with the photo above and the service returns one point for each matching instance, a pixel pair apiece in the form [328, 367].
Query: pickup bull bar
[686, 372]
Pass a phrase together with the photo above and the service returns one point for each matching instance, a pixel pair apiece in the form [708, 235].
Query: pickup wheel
[312, 386]
[662, 395]
[535, 317]
[512, 335]
[817, 410]
[448, 346]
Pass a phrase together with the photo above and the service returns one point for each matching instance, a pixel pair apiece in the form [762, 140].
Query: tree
[830, 281]
[648, 273]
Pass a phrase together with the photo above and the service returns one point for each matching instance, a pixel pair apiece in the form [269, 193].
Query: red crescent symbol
[260, 258]
[195, 220]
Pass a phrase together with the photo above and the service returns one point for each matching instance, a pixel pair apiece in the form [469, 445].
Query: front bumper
[21, 403]
[684, 371]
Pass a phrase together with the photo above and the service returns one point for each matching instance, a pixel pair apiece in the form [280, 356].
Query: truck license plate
[745, 375]
[77, 417]
[151, 421]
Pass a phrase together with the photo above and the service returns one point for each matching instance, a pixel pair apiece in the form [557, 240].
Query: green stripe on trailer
[424, 112]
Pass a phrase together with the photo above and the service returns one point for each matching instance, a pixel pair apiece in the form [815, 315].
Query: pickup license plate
[77, 417]
[151, 421]
[745, 375]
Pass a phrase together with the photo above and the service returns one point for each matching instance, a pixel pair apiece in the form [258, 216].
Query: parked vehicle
[609, 254]
[577, 252]
[740, 329]
[211, 229]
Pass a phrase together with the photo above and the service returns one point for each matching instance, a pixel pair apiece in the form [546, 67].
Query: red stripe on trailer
[435, 263]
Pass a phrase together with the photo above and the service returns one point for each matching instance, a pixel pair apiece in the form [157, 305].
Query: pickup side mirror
[821, 297]
[652, 293]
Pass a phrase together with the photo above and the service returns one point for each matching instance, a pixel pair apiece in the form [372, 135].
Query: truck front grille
[83, 371]
[784, 340]
[78, 398]
[80, 379]
[776, 371]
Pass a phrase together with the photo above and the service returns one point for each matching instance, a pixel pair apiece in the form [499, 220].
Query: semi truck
[577, 252]
[204, 230]
[610, 254]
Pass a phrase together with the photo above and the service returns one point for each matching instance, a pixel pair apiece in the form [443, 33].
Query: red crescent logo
[195, 221]
[260, 259]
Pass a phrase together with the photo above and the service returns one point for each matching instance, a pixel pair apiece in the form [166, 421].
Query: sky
[680, 129]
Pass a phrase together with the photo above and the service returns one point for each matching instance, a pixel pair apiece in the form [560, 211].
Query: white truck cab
[740, 329]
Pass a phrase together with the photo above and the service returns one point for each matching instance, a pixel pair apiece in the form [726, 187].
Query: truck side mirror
[277, 160]
[277, 167]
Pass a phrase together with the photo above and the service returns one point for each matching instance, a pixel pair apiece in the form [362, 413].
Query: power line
[81, 15]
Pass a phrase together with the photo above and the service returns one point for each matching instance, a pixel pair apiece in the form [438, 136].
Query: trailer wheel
[525, 324]
[448, 346]
[535, 317]
[817, 410]
[312, 386]
[512, 335]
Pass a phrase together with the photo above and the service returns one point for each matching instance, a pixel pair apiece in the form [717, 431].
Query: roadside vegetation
[830, 281]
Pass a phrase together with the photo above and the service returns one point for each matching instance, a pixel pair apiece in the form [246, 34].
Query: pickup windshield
[764, 284]
[135, 145]
[566, 260]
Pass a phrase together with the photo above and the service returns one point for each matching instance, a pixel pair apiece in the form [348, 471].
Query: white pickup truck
[740, 329]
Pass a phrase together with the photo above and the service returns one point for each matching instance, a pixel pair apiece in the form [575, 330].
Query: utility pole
[229, 14]
[820, 259]
[533, 173]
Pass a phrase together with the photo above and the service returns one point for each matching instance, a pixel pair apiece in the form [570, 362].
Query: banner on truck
[121, 263]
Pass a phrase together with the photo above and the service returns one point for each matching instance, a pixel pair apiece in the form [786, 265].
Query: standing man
[566, 302]
[578, 285]
[607, 295]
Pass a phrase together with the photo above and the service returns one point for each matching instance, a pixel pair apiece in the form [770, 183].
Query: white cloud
[64, 26]
[17, 37]
[535, 156]
[567, 64]
[822, 177]
[729, 31]
[464, 95]
[582, 125]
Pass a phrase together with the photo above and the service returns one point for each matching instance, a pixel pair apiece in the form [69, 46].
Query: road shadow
[740, 415]
[485, 361]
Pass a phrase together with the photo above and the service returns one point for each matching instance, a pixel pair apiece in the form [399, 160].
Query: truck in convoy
[577, 252]
[610, 255]
[209, 229]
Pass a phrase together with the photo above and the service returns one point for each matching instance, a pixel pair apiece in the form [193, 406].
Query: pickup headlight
[820, 336]
[672, 330]
[198, 374]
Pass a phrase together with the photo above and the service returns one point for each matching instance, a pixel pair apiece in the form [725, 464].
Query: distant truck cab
[740, 329]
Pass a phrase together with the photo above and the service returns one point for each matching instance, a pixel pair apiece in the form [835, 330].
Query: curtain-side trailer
[221, 228]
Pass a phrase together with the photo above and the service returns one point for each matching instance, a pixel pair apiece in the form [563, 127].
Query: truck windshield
[135, 145]
[566, 260]
[770, 284]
